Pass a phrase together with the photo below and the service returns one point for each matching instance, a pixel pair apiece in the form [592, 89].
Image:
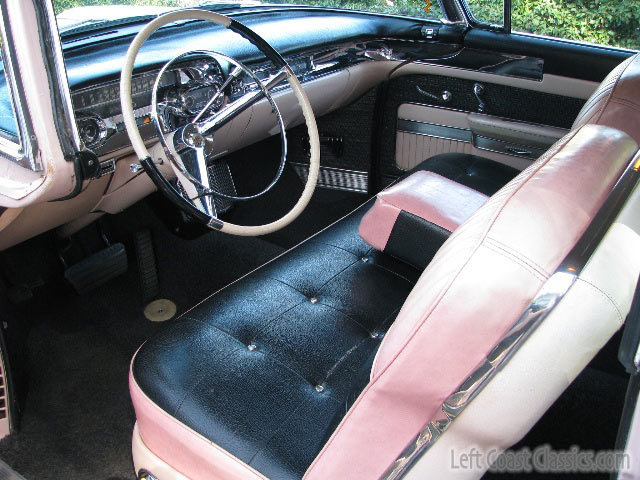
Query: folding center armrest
[412, 219]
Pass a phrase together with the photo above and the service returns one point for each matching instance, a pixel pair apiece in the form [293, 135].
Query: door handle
[518, 151]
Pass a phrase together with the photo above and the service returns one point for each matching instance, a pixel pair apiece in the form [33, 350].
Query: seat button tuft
[376, 335]
[319, 388]
[365, 259]
[313, 300]
[251, 347]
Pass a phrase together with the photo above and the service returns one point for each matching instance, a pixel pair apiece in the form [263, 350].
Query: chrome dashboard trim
[542, 304]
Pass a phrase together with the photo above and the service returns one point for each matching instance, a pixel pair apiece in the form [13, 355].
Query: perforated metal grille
[336, 178]
[221, 181]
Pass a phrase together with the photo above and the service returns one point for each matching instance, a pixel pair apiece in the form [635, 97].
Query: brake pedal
[97, 269]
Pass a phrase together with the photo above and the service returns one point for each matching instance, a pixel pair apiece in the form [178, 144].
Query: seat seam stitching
[517, 261]
[524, 258]
[605, 295]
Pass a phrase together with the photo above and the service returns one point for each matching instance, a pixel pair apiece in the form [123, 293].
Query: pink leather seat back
[616, 102]
[476, 287]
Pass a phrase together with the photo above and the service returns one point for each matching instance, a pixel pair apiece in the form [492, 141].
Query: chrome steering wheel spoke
[191, 148]
[235, 108]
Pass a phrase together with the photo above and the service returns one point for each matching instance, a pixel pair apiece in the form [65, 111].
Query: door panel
[424, 131]
[505, 123]
[442, 95]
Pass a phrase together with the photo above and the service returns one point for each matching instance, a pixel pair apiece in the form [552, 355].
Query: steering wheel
[189, 148]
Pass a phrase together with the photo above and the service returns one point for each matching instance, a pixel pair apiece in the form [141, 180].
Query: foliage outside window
[414, 8]
[607, 22]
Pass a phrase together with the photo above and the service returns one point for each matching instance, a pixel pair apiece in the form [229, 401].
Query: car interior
[285, 241]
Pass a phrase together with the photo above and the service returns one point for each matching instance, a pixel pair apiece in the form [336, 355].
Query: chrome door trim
[435, 130]
[542, 304]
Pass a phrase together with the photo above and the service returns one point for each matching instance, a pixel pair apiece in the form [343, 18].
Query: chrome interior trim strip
[548, 297]
[434, 130]
[24, 151]
[506, 148]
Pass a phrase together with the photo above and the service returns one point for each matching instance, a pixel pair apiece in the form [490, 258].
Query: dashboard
[183, 90]
[337, 56]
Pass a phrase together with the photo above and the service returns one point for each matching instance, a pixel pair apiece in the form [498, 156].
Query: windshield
[73, 14]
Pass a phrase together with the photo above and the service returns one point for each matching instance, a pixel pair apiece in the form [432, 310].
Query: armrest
[517, 132]
[412, 219]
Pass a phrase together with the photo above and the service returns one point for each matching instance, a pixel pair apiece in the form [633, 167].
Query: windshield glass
[74, 14]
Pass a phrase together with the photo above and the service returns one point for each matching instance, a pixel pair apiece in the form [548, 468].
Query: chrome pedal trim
[336, 178]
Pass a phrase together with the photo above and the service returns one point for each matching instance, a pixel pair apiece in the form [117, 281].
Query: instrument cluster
[183, 92]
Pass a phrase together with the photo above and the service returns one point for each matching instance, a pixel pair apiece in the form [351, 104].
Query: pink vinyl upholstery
[616, 102]
[472, 292]
[426, 194]
[199, 458]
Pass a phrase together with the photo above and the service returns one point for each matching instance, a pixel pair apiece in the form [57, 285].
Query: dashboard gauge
[193, 99]
[237, 88]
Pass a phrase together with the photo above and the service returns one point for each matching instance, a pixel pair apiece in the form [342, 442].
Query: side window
[614, 23]
[8, 124]
[608, 22]
[16, 140]
[488, 12]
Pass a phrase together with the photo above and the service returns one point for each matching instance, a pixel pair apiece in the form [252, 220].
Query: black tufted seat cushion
[481, 174]
[267, 367]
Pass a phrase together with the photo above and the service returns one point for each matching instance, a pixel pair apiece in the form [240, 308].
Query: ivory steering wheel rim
[143, 154]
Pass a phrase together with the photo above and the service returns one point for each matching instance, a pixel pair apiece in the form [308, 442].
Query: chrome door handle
[518, 151]
[444, 97]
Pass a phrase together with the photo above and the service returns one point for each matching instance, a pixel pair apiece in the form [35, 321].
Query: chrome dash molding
[543, 303]
[434, 130]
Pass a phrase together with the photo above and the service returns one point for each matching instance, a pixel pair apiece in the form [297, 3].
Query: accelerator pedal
[97, 269]
[147, 269]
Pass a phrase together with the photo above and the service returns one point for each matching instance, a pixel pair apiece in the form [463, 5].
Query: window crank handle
[478, 90]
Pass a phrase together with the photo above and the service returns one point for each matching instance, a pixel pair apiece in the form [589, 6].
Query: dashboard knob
[93, 130]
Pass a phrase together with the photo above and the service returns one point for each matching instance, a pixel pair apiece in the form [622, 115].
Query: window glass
[607, 22]
[415, 8]
[8, 124]
[490, 12]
